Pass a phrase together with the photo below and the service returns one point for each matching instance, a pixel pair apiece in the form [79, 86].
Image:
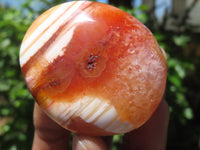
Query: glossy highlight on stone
[93, 68]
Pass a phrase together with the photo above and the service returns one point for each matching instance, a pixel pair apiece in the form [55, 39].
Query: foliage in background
[15, 101]
[182, 91]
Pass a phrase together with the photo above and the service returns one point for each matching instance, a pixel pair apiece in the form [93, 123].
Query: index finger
[48, 134]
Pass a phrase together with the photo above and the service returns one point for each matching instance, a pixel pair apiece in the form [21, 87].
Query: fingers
[48, 134]
[82, 142]
[152, 135]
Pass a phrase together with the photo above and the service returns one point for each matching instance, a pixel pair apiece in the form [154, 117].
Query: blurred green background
[176, 26]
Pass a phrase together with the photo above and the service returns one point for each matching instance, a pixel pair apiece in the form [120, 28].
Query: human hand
[151, 136]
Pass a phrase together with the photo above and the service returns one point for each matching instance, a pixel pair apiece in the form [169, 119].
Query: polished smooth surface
[93, 68]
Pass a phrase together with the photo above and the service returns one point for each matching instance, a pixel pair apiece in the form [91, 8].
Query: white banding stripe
[94, 104]
[48, 34]
[92, 110]
[78, 106]
[98, 113]
[72, 112]
[55, 109]
[106, 118]
[114, 125]
[64, 113]
[124, 127]
[59, 45]
[57, 49]
[43, 26]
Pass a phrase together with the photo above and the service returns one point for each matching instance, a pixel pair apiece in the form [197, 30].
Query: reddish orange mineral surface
[93, 68]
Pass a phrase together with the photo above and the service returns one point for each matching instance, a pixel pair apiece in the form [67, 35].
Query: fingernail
[80, 143]
[83, 142]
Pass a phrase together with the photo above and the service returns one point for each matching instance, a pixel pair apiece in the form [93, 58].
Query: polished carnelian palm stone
[93, 68]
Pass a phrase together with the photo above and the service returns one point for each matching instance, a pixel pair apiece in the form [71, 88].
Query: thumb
[83, 142]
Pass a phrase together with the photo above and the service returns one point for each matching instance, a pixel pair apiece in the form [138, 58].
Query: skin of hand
[151, 136]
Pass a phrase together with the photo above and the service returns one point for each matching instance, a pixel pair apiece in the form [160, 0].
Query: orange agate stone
[93, 68]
